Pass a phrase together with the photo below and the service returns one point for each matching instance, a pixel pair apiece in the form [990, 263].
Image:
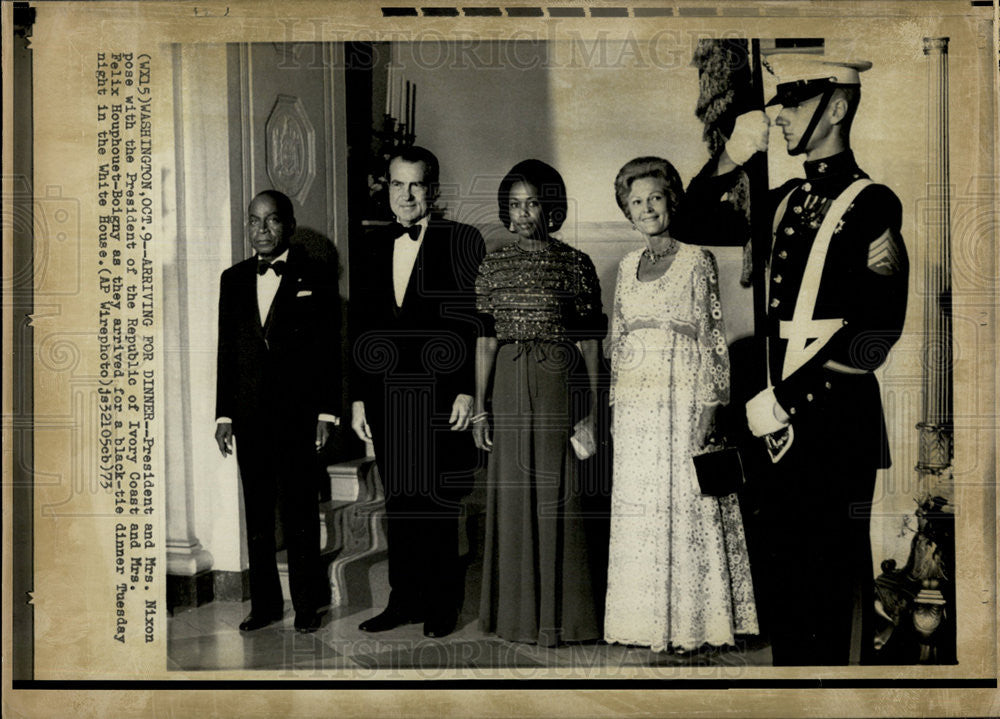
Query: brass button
[775, 302]
[782, 255]
[791, 411]
[777, 279]
[797, 210]
[829, 386]
[809, 397]
[807, 186]
[789, 230]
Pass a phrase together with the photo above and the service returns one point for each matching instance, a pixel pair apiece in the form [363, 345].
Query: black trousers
[279, 475]
[816, 508]
[425, 470]
[423, 556]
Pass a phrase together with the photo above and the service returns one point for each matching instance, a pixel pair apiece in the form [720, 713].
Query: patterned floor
[208, 638]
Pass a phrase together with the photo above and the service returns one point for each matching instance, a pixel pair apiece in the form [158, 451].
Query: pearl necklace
[668, 250]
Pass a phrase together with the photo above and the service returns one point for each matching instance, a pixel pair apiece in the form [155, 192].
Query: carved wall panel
[290, 153]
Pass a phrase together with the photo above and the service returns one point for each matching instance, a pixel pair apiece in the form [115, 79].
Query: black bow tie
[413, 231]
[263, 266]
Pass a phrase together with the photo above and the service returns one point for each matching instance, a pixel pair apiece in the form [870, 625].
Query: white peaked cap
[798, 67]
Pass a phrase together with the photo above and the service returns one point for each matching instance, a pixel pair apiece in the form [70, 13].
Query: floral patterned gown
[678, 573]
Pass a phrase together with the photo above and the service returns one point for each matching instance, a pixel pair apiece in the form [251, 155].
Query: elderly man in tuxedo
[413, 331]
[278, 390]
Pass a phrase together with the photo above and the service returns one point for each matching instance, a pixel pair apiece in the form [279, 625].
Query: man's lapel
[247, 289]
[381, 270]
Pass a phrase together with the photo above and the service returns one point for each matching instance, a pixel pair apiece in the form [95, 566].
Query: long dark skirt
[536, 578]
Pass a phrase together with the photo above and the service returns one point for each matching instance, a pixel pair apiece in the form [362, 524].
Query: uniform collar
[840, 164]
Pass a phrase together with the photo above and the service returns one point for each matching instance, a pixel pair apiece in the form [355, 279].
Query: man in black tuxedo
[413, 332]
[278, 392]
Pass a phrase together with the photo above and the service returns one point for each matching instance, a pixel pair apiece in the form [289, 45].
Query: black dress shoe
[440, 626]
[260, 620]
[307, 622]
[389, 619]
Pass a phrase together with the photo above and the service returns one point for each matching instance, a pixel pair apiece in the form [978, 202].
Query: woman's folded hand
[481, 433]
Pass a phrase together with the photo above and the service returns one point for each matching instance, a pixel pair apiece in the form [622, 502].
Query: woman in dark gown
[539, 300]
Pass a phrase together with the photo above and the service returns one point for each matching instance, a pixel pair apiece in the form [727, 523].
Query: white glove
[750, 134]
[762, 413]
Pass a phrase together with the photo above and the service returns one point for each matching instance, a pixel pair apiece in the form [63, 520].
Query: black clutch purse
[720, 472]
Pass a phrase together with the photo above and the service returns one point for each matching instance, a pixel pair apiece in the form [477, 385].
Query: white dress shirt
[404, 255]
[267, 288]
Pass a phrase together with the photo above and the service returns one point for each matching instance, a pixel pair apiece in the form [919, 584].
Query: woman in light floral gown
[678, 574]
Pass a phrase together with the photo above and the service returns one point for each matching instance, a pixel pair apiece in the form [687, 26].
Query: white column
[936, 417]
[204, 514]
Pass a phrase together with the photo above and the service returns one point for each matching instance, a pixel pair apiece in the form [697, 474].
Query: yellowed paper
[112, 480]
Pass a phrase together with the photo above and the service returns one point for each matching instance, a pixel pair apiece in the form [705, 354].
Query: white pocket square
[303, 293]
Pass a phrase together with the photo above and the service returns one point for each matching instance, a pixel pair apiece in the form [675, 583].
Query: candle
[392, 94]
[388, 89]
[413, 112]
[406, 108]
[399, 99]
[397, 96]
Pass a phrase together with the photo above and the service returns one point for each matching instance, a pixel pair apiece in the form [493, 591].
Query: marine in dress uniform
[836, 286]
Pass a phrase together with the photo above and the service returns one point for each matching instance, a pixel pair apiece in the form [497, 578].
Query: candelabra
[397, 132]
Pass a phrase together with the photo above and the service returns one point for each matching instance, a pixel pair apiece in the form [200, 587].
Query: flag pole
[760, 222]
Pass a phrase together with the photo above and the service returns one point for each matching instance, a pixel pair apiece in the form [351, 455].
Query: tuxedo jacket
[286, 370]
[430, 340]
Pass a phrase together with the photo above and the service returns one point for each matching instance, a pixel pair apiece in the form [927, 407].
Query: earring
[511, 228]
[551, 223]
